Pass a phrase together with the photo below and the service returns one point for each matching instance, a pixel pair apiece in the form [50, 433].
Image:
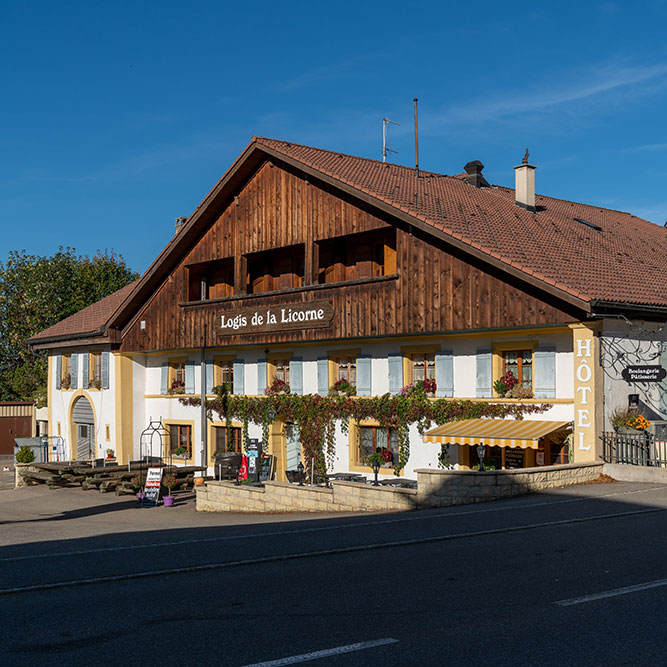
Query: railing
[643, 449]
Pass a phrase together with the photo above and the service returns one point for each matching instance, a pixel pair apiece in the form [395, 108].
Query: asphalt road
[573, 577]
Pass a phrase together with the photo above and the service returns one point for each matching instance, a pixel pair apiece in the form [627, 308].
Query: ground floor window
[180, 439]
[227, 439]
[559, 453]
[374, 439]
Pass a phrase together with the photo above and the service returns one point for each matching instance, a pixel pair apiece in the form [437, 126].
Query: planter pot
[199, 481]
[626, 430]
[140, 496]
[168, 501]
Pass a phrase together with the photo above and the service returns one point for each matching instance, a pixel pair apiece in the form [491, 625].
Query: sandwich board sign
[152, 487]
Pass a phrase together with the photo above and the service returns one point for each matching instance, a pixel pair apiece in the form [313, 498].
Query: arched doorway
[84, 429]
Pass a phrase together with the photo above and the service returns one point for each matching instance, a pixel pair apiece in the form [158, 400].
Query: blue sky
[118, 117]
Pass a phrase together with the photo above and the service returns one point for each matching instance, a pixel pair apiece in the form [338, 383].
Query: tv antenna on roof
[385, 150]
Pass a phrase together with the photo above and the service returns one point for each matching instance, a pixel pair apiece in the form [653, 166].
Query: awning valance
[524, 433]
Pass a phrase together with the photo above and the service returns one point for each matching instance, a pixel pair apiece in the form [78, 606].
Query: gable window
[211, 280]
[375, 439]
[366, 255]
[180, 439]
[95, 370]
[227, 439]
[273, 270]
[520, 364]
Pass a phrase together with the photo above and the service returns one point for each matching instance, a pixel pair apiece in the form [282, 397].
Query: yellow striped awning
[524, 433]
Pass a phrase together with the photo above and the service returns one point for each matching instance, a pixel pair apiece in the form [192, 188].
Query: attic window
[588, 224]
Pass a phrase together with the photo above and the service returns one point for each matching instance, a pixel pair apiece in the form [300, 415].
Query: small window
[66, 372]
[180, 439]
[346, 369]
[376, 439]
[423, 367]
[211, 280]
[227, 439]
[275, 269]
[225, 374]
[588, 224]
[520, 364]
[281, 370]
[95, 370]
[176, 377]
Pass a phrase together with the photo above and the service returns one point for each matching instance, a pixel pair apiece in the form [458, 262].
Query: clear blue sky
[117, 117]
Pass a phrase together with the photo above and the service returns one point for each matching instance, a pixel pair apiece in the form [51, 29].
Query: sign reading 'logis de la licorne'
[277, 318]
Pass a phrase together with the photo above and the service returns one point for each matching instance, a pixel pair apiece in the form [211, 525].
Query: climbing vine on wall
[317, 416]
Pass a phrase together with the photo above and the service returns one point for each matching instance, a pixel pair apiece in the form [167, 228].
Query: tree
[36, 293]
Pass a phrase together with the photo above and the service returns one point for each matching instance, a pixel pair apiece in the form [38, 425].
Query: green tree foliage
[36, 293]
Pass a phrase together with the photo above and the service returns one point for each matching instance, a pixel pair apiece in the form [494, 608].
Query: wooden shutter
[484, 374]
[364, 377]
[105, 369]
[323, 376]
[164, 378]
[86, 373]
[296, 375]
[544, 368]
[239, 378]
[444, 374]
[74, 371]
[395, 362]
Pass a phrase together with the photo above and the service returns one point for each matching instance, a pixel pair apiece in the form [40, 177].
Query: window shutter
[544, 365]
[444, 374]
[323, 376]
[189, 377]
[59, 369]
[209, 377]
[296, 375]
[261, 376]
[164, 378]
[364, 375]
[75, 371]
[84, 379]
[239, 379]
[484, 388]
[105, 369]
[395, 373]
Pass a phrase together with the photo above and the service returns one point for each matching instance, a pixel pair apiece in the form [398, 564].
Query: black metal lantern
[481, 451]
[300, 468]
[375, 467]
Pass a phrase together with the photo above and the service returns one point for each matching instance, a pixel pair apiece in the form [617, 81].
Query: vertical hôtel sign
[315, 314]
[585, 403]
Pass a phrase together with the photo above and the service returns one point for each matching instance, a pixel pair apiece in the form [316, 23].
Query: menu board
[267, 468]
[152, 487]
[513, 458]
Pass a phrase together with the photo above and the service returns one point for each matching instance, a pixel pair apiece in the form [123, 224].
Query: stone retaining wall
[436, 488]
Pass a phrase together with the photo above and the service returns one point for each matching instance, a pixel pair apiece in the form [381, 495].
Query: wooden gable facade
[285, 239]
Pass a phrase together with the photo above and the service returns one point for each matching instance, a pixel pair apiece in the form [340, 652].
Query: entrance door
[292, 446]
[84, 442]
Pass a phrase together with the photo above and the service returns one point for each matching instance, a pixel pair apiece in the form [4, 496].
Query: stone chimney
[180, 221]
[474, 174]
[524, 193]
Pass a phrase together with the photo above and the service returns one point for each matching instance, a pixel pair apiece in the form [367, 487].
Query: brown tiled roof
[89, 320]
[624, 262]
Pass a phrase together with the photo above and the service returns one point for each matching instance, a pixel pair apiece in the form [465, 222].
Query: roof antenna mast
[385, 150]
[416, 141]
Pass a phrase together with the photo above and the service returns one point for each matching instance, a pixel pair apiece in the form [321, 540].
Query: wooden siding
[436, 288]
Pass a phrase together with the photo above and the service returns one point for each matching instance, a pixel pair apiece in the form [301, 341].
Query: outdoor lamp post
[300, 468]
[375, 467]
[481, 451]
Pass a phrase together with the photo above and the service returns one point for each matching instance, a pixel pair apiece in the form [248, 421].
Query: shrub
[25, 455]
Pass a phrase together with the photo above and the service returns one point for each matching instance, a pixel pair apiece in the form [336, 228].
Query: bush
[25, 455]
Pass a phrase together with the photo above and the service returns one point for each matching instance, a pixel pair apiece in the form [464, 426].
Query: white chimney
[524, 194]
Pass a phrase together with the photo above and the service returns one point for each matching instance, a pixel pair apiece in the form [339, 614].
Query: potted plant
[342, 388]
[177, 387]
[110, 453]
[24, 454]
[277, 387]
[518, 391]
[181, 452]
[419, 388]
[66, 381]
[169, 480]
[138, 483]
[627, 422]
[378, 459]
[95, 384]
[505, 384]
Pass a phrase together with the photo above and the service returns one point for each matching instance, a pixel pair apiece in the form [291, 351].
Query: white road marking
[317, 529]
[324, 654]
[612, 593]
[315, 554]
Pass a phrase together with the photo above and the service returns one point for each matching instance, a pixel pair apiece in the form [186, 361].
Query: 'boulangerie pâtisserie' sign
[311, 315]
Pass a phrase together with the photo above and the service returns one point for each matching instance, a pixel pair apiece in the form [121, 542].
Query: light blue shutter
[239, 379]
[59, 370]
[484, 389]
[209, 377]
[323, 376]
[261, 376]
[296, 375]
[105, 369]
[189, 377]
[84, 379]
[364, 375]
[75, 371]
[444, 374]
[164, 378]
[544, 367]
[395, 373]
